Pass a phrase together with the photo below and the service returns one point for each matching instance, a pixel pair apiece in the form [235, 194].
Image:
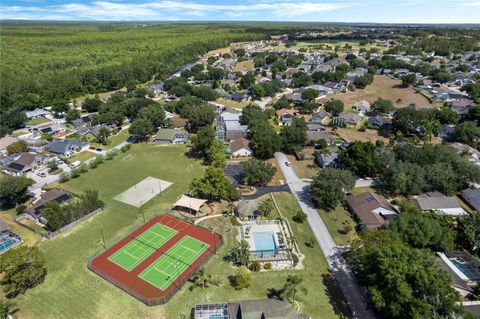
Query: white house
[240, 148]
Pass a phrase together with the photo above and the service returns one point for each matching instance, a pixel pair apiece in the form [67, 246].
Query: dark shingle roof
[472, 197]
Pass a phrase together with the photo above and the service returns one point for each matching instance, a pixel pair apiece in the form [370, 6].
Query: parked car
[287, 164]
[99, 149]
[42, 174]
[75, 164]
[93, 148]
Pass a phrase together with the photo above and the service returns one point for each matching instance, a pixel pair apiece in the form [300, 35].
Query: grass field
[38, 121]
[385, 88]
[232, 104]
[353, 134]
[70, 290]
[306, 169]
[244, 66]
[335, 221]
[82, 156]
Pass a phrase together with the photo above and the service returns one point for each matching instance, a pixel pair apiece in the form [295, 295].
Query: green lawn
[335, 221]
[70, 290]
[40, 120]
[82, 156]
[114, 140]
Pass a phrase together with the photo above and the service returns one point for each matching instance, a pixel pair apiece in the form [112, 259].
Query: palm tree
[200, 280]
[265, 208]
[292, 286]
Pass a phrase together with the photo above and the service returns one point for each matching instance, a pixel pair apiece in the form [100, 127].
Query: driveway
[353, 293]
[267, 190]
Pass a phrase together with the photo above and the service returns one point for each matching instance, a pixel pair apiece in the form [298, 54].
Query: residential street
[351, 290]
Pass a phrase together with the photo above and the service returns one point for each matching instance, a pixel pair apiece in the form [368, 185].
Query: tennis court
[166, 269]
[142, 246]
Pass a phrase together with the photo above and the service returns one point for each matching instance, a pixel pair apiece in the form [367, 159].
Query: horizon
[445, 12]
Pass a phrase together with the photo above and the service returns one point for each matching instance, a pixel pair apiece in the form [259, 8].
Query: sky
[380, 11]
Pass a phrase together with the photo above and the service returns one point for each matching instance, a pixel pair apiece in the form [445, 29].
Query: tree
[22, 268]
[425, 230]
[363, 81]
[473, 90]
[199, 115]
[13, 188]
[214, 185]
[265, 141]
[265, 208]
[362, 158]
[52, 166]
[407, 120]
[252, 112]
[448, 116]
[334, 106]
[241, 254]
[468, 234]
[294, 136]
[258, 91]
[54, 214]
[292, 286]
[153, 113]
[247, 80]
[257, 172]
[19, 146]
[6, 308]
[403, 282]
[217, 155]
[72, 114]
[200, 280]
[203, 140]
[141, 127]
[442, 77]
[329, 187]
[474, 113]
[242, 279]
[468, 132]
[103, 135]
[409, 79]
[282, 103]
[91, 105]
[204, 92]
[382, 106]
[310, 95]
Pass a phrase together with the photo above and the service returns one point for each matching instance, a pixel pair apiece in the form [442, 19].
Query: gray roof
[61, 146]
[472, 197]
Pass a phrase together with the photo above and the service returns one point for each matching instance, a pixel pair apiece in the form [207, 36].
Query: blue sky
[383, 11]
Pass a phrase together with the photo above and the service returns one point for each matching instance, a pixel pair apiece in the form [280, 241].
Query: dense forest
[48, 64]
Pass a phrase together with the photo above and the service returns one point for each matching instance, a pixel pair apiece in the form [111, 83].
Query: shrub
[75, 173]
[20, 209]
[255, 266]
[125, 148]
[310, 242]
[64, 177]
[295, 260]
[82, 169]
[268, 266]
[97, 161]
[241, 279]
[300, 217]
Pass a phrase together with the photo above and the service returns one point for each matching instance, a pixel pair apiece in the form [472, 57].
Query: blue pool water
[4, 245]
[265, 241]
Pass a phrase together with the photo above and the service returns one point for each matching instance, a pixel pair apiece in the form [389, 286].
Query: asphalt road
[353, 293]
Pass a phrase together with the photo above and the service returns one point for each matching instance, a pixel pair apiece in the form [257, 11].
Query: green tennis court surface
[142, 246]
[166, 269]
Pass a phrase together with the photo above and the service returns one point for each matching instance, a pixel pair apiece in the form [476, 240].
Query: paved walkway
[201, 219]
[353, 293]
[267, 190]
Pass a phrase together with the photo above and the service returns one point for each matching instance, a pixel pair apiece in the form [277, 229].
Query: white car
[42, 174]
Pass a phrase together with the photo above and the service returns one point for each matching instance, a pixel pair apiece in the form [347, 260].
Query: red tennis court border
[139, 288]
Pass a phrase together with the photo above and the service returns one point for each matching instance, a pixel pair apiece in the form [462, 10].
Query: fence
[60, 230]
[270, 255]
[181, 281]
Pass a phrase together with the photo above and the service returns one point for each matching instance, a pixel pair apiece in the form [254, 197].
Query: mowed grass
[315, 303]
[70, 290]
[232, 104]
[82, 156]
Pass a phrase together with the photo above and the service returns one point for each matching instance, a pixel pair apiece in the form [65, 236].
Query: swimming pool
[265, 241]
[470, 272]
[4, 245]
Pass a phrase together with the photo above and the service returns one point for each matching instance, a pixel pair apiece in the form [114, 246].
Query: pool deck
[249, 228]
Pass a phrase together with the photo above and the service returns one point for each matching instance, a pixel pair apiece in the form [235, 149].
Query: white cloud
[158, 10]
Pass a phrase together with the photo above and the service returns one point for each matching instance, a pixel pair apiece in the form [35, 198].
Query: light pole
[103, 237]
[141, 210]
[178, 275]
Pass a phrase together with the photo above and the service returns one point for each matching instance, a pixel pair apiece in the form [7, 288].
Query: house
[371, 210]
[37, 113]
[240, 148]
[330, 159]
[66, 147]
[285, 116]
[382, 122]
[34, 211]
[8, 239]
[252, 309]
[6, 142]
[313, 136]
[461, 107]
[463, 268]
[349, 119]
[255, 309]
[362, 107]
[472, 197]
[315, 127]
[234, 130]
[439, 203]
[238, 97]
[321, 118]
[24, 162]
[171, 136]
[84, 120]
